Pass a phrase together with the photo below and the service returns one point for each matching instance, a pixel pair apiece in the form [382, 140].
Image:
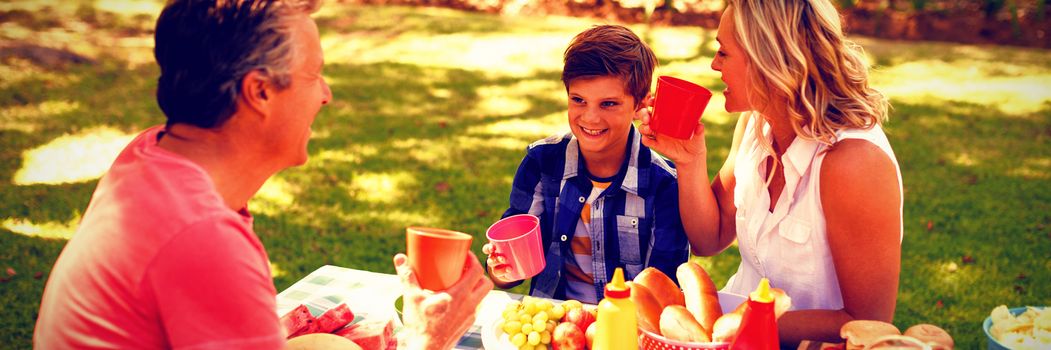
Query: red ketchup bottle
[758, 325]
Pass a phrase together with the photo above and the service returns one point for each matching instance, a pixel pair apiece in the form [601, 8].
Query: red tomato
[568, 336]
[580, 317]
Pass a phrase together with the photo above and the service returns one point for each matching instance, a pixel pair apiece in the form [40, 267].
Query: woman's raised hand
[682, 152]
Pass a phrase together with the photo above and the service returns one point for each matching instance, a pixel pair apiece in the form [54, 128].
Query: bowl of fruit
[541, 323]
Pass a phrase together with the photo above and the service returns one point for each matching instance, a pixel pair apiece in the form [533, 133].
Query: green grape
[541, 317]
[541, 347]
[519, 339]
[512, 327]
[525, 318]
[530, 308]
[500, 325]
[509, 314]
[557, 312]
[534, 338]
[545, 337]
[527, 327]
[539, 326]
[544, 305]
[551, 326]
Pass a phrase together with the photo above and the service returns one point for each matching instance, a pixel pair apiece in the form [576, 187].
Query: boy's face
[600, 114]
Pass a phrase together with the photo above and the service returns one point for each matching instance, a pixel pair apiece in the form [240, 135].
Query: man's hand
[437, 320]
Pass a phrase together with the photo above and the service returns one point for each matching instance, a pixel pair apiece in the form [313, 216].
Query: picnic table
[372, 295]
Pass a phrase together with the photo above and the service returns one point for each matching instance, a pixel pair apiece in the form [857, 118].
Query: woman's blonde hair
[798, 54]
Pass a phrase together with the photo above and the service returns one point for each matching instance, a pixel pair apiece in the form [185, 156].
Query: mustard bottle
[759, 324]
[617, 327]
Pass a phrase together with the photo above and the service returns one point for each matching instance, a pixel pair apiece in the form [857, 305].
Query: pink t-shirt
[159, 262]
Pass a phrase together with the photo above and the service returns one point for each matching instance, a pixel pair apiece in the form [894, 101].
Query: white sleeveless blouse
[790, 245]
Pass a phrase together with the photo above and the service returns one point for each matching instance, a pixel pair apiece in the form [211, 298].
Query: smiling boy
[604, 199]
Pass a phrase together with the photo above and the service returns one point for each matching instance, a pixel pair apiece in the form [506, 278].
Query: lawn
[434, 108]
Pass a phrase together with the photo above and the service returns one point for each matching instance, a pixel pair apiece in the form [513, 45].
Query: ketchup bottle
[758, 325]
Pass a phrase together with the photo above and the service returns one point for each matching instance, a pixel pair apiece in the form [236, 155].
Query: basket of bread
[695, 316]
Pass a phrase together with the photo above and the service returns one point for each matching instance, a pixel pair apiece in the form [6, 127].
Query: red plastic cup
[517, 239]
[678, 107]
[437, 256]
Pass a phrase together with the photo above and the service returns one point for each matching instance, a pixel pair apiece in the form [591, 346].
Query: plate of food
[1018, 328]
[537, 321]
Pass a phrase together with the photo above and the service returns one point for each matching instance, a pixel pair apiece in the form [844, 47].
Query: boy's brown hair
[611, 50]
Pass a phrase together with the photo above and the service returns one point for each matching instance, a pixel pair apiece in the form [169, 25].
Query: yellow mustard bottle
[617, 328]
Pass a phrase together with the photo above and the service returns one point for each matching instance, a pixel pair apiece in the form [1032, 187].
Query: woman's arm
[698, 207]
[723, 189]
[861, 200]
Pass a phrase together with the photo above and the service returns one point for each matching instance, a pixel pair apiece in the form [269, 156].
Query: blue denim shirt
[639, 226]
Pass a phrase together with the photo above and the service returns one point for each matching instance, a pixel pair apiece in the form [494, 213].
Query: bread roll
[702, 299]
[662, 287]
[933, 335]
[725, 328]
[647, 308]
[862, 333]
[677, 323]
[782, 302]
[318, 341]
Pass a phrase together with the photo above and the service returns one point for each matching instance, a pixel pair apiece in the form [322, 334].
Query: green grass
[433, 109]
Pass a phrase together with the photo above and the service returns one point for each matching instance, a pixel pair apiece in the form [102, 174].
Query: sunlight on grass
[676, 43]
[20, 71]
[276, 271]
[353, 154]
[1011, 89]
[427, 151]
[525, 127]
[1039, 168]
[399, 217]
[964, 159]
[48, 229]
[72, 158]
[381, 187]
[275, 197]
[24, 118]
[130, 7]
[507, 55]
[507, 143]
[497, 100]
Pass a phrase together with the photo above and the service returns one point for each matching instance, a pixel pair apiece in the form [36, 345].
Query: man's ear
[256, 92]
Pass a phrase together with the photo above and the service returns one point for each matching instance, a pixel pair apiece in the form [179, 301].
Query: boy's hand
[682, 152]
[437, 320]
[498, 266]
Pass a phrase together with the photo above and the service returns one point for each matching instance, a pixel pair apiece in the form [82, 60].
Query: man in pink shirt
[165, 256]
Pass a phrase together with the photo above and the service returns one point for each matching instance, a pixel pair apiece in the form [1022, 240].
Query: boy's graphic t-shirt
[580, 284]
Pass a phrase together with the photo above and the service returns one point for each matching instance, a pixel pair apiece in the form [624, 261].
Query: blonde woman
[811, 189]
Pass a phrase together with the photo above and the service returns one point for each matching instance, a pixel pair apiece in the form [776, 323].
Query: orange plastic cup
[436, 255]
[517, 239]
[678, 107]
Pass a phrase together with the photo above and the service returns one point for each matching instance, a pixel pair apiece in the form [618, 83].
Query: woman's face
[732, 62]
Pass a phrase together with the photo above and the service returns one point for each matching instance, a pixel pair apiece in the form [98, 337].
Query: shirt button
[564, 238]
[581, 199]
[634, 222]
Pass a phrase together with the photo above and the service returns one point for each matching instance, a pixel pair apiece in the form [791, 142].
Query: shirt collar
[629, 176]
[800, 154]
